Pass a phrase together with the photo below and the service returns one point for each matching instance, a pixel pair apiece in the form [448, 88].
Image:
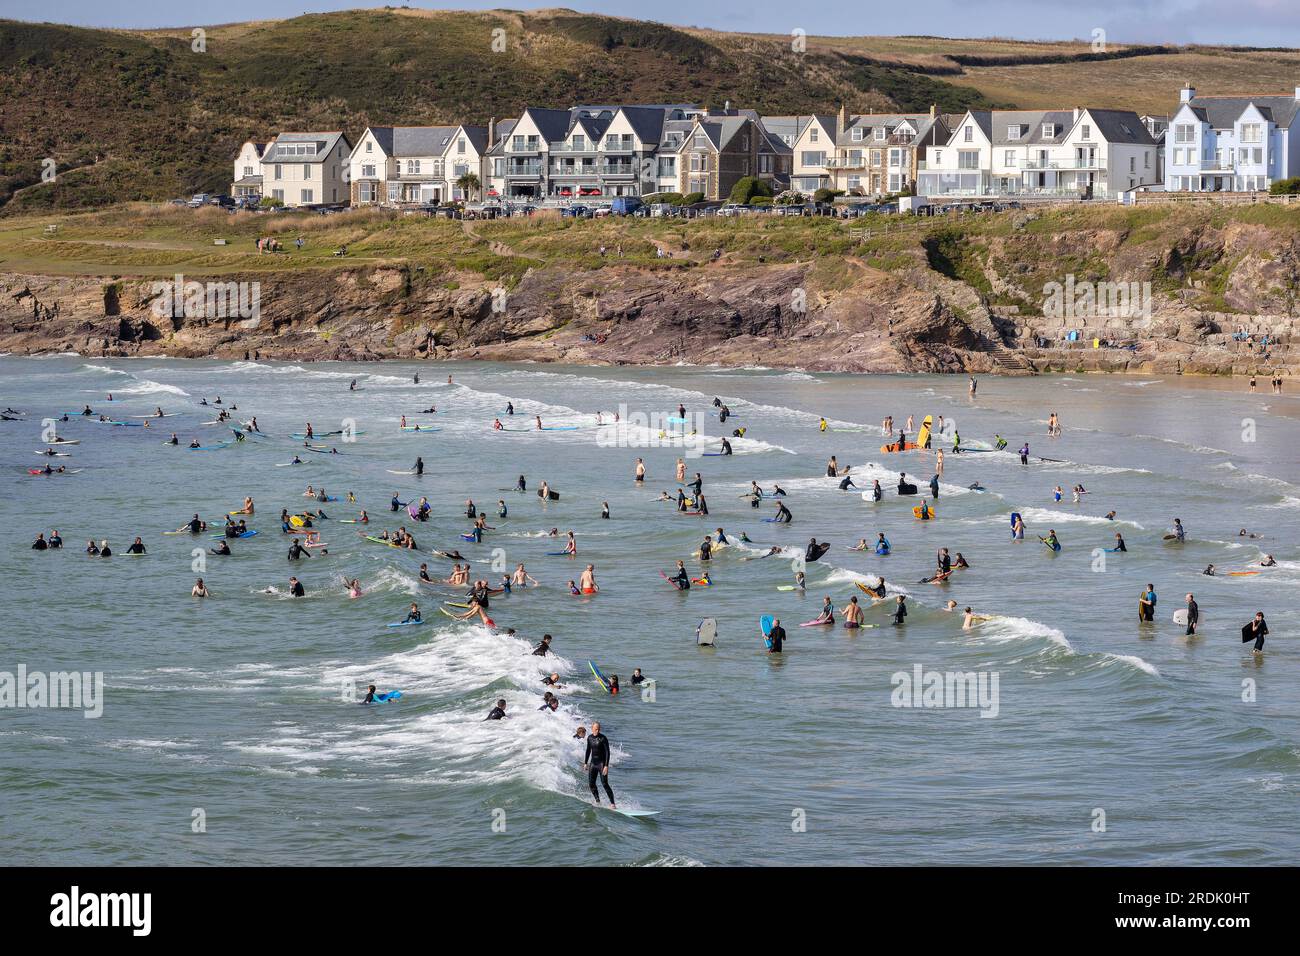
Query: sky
[1271, 23]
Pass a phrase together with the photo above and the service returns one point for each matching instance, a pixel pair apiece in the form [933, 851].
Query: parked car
[199, 199]
[625, 205]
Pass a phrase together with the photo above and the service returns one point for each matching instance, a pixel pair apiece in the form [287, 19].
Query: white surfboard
[1180, 617]
[706, 632]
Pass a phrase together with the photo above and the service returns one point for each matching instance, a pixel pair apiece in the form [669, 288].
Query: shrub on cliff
[747, 188]
[1286, 187]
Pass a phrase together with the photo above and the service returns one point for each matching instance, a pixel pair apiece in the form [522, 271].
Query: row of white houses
[1212, 143]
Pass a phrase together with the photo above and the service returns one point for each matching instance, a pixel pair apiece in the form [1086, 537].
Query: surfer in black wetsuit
[596, 762]
[726, 447]
[296, 589]
[783, 515]
[681, 579]
[1258, 629]
[419, 466]
[222, 548]
[544, 648]
[394, 505]
[900, 609]
[1119, 542]
[296, 551]
[846, 482]
[776, 637]
[934, 486]
[522, 485]
[498, 712]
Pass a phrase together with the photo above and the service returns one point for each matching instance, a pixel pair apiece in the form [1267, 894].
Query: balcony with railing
[847, 162]
[617, 170]
[563, 171]
[1093, 163]
[523, 170]
[589, 149]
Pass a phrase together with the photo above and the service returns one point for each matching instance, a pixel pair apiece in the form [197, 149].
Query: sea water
[228, 732]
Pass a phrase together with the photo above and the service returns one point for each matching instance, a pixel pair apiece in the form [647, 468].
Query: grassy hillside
[139, 115]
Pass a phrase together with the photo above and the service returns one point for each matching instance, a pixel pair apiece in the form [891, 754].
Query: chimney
[492, 132]
[932, 110]
[1188, 91]
[1297, 92]
[844, 118]
[1077, 111]
[726, 106]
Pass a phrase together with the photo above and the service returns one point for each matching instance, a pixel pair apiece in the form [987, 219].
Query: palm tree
[468, 184]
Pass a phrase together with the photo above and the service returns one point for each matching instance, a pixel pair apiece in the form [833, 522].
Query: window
[1013, 132]
[856, 134]
[1085, 131]
[667, 165]
[248, 170]
[306, 196]
[895, 157]
[1049, 129]
[460, 145]
[812, 158]
[370, 147]
[1184, 133]
[367, 192]
[517, 144]
[968, 134]
[1146, 159]
[306, 171]
[412, 167]
[1132, 164]
[855, 182]
[938, 156]
[368, 171]
[875, 157]
[278, 170]
[880, 132]
[1009, 157]
[968, 159]
[812, 134]
[1252, 133]
[277, 194]
[579, 143]
[765, 163]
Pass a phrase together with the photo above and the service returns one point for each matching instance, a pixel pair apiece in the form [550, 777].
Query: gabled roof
[646, 121]
[1221, 112]
[1121, 126]
[325, 143]
[553, 125]
[477, 136]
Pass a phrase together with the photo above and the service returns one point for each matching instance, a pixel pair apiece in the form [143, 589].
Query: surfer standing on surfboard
[596, 762]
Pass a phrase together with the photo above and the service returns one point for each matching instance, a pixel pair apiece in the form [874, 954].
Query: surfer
[934, 487]
[852, 614]
[1147, 604]
[1257, 629]
[544, 648]
[137, 547]
[959, 561]
[596, 762]
[775, 637]
[1051, 540]
[1024, 453]
[877, 493]
[860, 546]
[1017, 527]
[827, 615]
[521, 484]
[539, 422]
[295, 588]
[40, 544]
[900, 608]
[1178, 531]
[726, 447]
[706, 549]
[499, 711]
[846, 482]
[419, 466]
[1193, 615]
[1209, 570]
[412, 616]
[832, 468]
[222, 548]
[882, 544]
[1119, 543]
[681, 580]
[1268, 561]
[783, 515]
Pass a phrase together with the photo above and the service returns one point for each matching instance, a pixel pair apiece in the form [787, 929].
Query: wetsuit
[1149, 608]
[681, 579]
[1193, 615]
[934, 486]
[297, 590]
[900, 612]
[1259, 629]
[847, 483]
[783, 515]
[39, 545]
[136, 548]
[597, 759]
[706, 551]
[496, 713]
[777, 637]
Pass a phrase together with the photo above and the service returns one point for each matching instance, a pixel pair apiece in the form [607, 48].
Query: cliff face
[769, 315]
[950, 302]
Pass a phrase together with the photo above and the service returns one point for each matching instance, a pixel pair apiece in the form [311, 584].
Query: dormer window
[880, 132]
[1013, 132]
[1049, 129]
[856, 134]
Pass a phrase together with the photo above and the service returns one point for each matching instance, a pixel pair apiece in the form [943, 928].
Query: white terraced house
[593, 152]
[247, 183]
[1232, 143]
[415, 165]
[1089, 153]
[307, 169]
